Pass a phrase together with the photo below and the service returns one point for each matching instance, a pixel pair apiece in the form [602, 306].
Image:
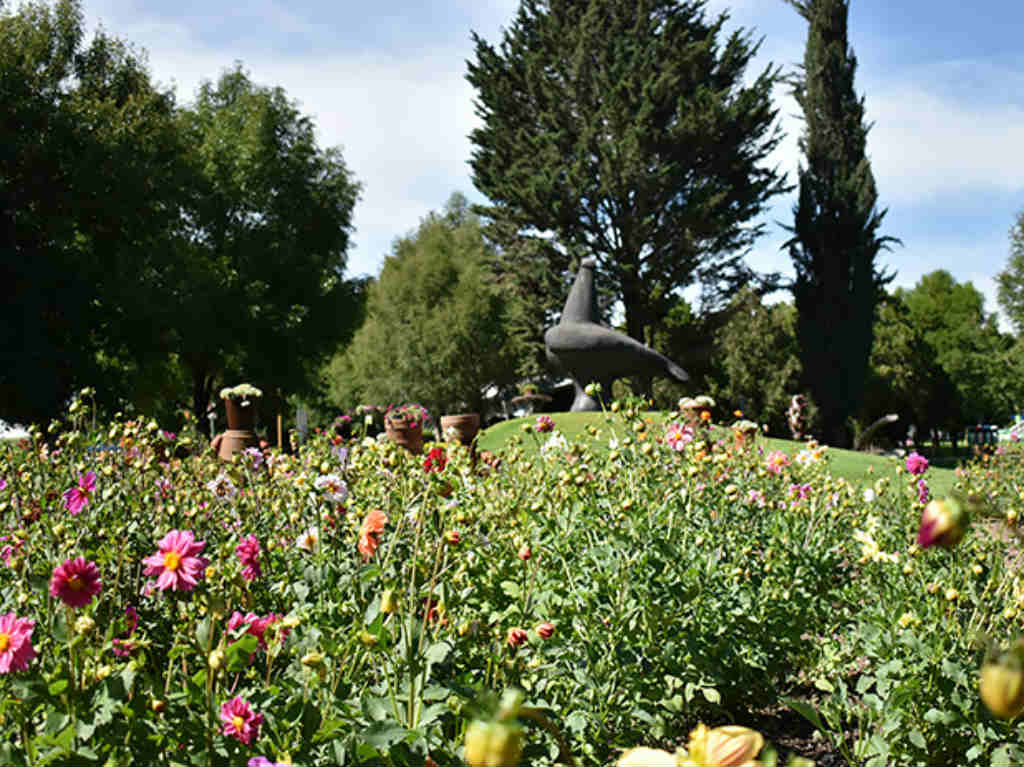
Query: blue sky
[943, 85]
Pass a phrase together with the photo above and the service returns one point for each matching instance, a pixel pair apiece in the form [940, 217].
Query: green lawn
[858, 468]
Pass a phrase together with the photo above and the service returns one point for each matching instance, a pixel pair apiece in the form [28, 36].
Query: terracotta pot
[239, 434]
[234, 441]
[240, 418]
[408, 435]
[693, 415]
[465, 425]
[744, 438]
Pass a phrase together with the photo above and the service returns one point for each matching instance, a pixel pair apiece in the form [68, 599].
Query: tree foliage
[623, 129]
[835, 240]
[906, 378]
[154, 251]
[981, 362]
[1010, 281]
[89, 191]
[435, 326]
[258, 285]
[758, 361]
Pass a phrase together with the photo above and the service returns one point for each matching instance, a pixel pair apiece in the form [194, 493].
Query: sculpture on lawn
[589, 352]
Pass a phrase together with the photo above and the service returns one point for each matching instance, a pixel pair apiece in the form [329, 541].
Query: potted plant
[697, 410]
[744, 432]
[404, 426]
[463, 426]
[241, 415]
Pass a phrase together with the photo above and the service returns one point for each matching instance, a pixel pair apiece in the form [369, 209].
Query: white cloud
[925, 144]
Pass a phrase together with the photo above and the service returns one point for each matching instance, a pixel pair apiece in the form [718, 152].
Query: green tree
[758, 360]
[258, 292]
[624, 129]
[905, 377]
[89, 195]
[434, 330]
[1010, 281]
[979, 360]
[835, 240]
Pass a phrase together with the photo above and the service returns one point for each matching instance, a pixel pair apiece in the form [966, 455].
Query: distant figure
[588, 352]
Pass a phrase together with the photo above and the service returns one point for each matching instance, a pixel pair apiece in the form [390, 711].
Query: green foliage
[257, 288]
[759, 360]
[836, 220]
[89, 197]
[982, 363]
[159, 251]
[1010, 281]
[650, 587]
[434, 330]
[624, 130]
[905, 376]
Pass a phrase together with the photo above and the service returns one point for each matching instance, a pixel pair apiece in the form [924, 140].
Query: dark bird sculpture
[588, 352]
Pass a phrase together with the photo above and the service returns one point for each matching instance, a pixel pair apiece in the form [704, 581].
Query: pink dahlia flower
[257, 626]
[917, 464]
[249, 554]
[545, 423]
[175, 564]
[76, 582]
[77, 498]
[15, 643]
[240, 721]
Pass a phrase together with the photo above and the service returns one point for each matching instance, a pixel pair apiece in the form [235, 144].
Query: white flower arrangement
[242, 391]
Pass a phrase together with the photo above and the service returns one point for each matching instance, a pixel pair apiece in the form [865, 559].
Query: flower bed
[352, 603]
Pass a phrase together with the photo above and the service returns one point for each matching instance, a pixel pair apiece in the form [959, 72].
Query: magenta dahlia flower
[76, 582]
[240, 721]
[77, 498]
[249, 555]
[15, 643]
[917, 464]
[175, 564]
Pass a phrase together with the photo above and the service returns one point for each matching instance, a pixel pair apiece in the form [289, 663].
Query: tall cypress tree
[627, 130]
[835, 240]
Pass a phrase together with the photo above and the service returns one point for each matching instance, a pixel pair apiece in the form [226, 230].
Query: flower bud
[1001, 684]
[728, 746]
[158, 706]
[313, 659]
[493, 744]
[84, 625]
[388, 602]
[525, 553]
[516, 637]
[216, 659]
[545, 630]
[943, 523]
[452, 537]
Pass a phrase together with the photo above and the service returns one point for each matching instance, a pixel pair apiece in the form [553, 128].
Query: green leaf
[918, 739]
[511, 589]
[58, 686]
[824, 685]
[203, 632]
[807, 711]
[934, 716]
[383, 735]
[711, 695]
[437, 652]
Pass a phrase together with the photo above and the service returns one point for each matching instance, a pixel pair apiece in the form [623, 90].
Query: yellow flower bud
[84, 625]
[1002, 686]
[216, 659]
[313, 659]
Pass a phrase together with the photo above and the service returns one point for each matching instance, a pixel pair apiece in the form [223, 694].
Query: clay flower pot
[405, 432]
[744, 433]
[240, 417]
[465, 425]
